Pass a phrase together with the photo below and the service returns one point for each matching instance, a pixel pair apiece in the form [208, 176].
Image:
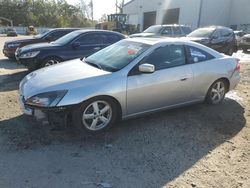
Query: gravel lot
[195, 146]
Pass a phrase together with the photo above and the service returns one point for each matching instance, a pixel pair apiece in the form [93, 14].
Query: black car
[219, 38]
[77, 44]
[51, 35]
[164, 31]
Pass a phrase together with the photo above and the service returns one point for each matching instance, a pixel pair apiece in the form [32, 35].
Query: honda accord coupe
[130, 78]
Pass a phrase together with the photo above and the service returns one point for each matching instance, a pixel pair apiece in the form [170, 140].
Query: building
[196, 13]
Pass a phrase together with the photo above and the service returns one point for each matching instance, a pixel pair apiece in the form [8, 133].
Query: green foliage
[44, 13]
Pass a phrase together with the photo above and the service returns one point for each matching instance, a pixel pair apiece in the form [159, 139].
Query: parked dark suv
[164, 31]
[77, 44]
[51, 35]
[221, 39]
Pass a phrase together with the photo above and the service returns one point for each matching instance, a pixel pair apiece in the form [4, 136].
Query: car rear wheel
[216, 92]
[95, 115]
[50, 61]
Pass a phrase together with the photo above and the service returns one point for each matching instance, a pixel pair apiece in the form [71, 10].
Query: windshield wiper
[92, 64]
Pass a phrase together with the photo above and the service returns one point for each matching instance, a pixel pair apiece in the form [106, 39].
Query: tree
[44, 13]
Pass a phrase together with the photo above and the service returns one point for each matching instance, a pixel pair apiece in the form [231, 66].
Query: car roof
[180, 41]
[97, 30]
[218, 27]
[153, 41]
[171, 25]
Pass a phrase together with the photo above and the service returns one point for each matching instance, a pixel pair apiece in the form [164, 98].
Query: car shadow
[10, 82]
[164, 144]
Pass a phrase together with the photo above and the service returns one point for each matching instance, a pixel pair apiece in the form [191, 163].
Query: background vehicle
[77, 44]
[51, 35]
[245, 43]
[117, 22]
[164, 31]
[11, 32]
[31, 30]
[238, 36]
[130, 78]
[221, 39]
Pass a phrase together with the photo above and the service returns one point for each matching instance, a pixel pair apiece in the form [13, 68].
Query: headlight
[48, 99]
[13, 45]
[29, 54]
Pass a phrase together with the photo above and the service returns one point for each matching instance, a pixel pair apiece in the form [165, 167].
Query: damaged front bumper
[55, 115]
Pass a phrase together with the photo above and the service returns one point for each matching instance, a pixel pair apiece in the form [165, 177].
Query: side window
[167, 31]
[166, 57]
[226, 33]
[177, 30]
[197, 55]
[89, 39]
[58, 34]
[112, 38]
[216, 34]
[186, 30]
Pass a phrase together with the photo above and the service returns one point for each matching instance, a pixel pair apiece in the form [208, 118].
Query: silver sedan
[130, 78]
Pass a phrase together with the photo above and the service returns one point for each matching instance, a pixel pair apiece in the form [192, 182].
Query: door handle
[183, 79]
[97, 48]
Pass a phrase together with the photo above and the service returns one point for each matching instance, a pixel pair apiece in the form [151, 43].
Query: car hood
[202, 40]
[63, 76]
[143, 35]
[39, 46]
[23, 41]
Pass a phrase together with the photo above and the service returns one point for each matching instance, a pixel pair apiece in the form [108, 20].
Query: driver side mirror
[147, 68]
[76, 44]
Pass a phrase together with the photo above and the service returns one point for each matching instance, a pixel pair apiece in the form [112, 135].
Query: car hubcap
[217, 92]
[97, 115]
[51, 62]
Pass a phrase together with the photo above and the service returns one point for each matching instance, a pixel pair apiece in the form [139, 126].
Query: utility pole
[200, 14]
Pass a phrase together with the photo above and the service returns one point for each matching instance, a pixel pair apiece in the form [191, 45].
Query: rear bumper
[235, 79]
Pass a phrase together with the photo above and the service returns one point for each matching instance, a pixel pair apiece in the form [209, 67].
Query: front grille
[248, 39]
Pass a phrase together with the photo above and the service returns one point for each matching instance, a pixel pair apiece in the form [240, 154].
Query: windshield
[67, 38]
[117, 56]
[153, 29]
[204, 33]
[41, 35]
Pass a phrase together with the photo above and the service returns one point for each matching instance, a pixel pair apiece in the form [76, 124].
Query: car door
[86, 44]
[217, 40]
[170, 84]
[203, 68]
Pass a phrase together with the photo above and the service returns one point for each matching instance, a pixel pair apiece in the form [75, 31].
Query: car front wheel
[50, 61]
[95, 115]
[216, 92]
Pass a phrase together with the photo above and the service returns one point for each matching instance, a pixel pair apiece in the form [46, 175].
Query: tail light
[237, 68]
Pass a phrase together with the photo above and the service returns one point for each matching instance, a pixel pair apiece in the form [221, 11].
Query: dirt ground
[194, 146]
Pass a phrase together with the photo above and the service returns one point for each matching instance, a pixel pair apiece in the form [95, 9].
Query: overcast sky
[100, 6]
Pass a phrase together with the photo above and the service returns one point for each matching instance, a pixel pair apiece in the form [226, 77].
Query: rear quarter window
[196, 55]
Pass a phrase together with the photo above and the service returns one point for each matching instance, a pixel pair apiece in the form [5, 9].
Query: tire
[50, 61]
[95, 120]
[244, 50]
[217, 92]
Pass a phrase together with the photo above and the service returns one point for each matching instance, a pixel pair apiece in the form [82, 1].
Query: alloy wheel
[51, 62]
[217, 92]
[97, 115]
